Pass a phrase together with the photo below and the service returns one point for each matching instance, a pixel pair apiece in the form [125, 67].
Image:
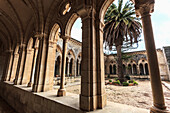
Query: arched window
[124, 69]
[114, 69]
[110, 69]
[134, 69]
[129, 69]
[146, 69]
[141, 69]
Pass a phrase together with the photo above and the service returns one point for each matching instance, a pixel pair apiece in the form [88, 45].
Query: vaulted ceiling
[22, 19]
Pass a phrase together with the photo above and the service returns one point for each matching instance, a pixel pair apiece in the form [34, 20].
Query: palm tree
[121, 26]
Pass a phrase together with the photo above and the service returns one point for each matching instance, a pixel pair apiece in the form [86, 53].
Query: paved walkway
[5, 108]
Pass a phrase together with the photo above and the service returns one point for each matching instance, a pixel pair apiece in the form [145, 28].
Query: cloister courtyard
[44, 69]
[138, 96]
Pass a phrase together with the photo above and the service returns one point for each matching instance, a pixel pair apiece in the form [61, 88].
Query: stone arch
[72, 53]
[58, 48]
[70, 23]
[30, 43]
[54, 34]
[79, 55]
[104, 8]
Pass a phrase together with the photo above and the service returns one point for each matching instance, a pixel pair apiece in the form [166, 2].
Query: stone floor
[5, 108]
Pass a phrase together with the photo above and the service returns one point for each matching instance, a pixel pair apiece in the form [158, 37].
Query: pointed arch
[70, 23]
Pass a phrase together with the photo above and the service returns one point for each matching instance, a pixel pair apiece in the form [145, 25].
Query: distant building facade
[136, 65]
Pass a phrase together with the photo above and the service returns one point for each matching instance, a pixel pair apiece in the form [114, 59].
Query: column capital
[29, 50]
[40, 35]
[66, 38]
[143, 7]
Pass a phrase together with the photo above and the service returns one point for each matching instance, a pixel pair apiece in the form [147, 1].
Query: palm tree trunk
[119, 61]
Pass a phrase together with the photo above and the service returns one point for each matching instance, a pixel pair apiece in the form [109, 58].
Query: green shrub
[131, 81]
[125, 84]
[135, 83]
[117, 82]
[110, 80]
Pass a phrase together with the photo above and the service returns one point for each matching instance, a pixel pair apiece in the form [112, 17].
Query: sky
[160, 23]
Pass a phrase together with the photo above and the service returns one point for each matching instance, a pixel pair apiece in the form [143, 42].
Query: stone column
[20, 66]
[62, 90]
[92, 79]
[33, 67]
[144, 8]
[8, 65]
[44, 72]
[60, 68]
[132, 70]
[14, 67]
[68, 68]
[28, 66]
[144, 70]
[78, 70]
[74, 68]
[100, 67]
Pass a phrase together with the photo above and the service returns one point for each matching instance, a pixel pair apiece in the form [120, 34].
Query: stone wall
[2, 61]
[167, 56]
[163, 60]
[24, 101]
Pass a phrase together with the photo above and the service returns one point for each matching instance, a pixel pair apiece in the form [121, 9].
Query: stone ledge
[23, 100]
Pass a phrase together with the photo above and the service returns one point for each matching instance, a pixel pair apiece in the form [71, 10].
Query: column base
[157, 110]
[37, 88]
[29, 84]
[17, 82]
[61, 92]
[88, 103]
[102, 101]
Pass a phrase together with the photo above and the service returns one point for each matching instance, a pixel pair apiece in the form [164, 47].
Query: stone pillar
[92, 79]
[78, 70]
[44, 73]
[68, 68]
[28, 66]
[144, 8]
[132, 70]
[101, 93]
[20, 66]
[144, 70]
[33, 67]
[74, 68]
[8, 65]
[60, 68]
[14, 67]
[62, 91]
